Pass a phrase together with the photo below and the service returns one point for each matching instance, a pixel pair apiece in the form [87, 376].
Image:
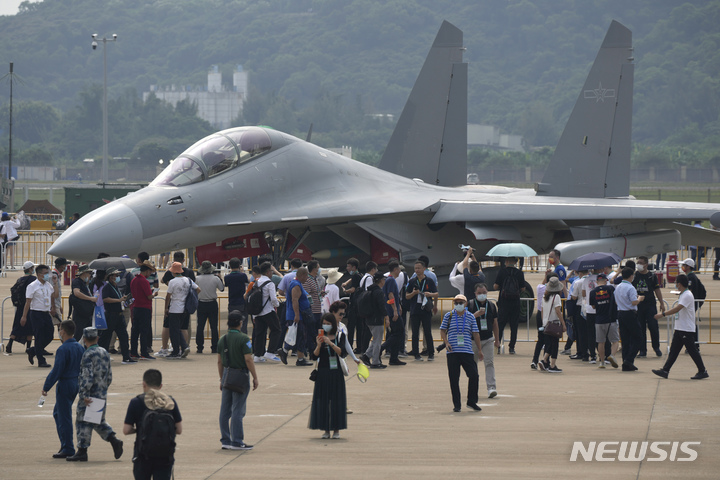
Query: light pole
[105, 120]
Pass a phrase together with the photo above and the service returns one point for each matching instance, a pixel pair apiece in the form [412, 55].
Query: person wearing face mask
[82, 302]
[56, 310]
[329, 403]
[485, 314]
[647, 285]
[458, 329]
[112, 300]
[38, 300]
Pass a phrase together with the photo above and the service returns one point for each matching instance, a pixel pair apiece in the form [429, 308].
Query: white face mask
[327, 328]
[459, 308]
[641, 268]
[482, 297]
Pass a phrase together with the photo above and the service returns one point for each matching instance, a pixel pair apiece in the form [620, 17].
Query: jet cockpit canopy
[214, 155]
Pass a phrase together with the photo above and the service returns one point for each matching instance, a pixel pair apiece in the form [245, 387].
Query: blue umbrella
[594, 260]
[511, 250]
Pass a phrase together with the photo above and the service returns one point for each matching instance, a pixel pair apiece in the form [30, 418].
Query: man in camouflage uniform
[95, 378]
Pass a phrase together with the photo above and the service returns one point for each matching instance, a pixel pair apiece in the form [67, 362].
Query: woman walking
[552, 313]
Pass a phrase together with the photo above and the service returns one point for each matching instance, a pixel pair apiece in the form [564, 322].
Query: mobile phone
[321, 332]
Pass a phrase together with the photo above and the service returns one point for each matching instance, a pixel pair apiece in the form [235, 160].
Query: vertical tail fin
[430, 138]
[592, 158]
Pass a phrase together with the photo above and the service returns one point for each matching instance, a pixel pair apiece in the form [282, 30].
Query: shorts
[607, 331]
[185, 323]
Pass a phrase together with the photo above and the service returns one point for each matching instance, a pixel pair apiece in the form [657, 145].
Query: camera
[464, 248]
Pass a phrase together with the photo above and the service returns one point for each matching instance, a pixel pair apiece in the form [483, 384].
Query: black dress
[329, 403]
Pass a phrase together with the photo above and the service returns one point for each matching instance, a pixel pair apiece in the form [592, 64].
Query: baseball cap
[28, 265]
[460, 296]
[689, 262]
[602, 275]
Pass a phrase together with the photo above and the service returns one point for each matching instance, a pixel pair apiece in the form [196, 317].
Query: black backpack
[510, 287]
[191, 300]
[157, 437]
[364, 301]
[255, 303]
[17, 291]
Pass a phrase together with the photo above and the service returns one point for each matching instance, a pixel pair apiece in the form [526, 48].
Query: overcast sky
[10, 7]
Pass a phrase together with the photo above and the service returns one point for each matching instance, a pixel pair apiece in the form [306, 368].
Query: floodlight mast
[94, 45]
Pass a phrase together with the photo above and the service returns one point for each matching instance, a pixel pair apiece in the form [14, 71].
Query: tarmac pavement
[402, 425]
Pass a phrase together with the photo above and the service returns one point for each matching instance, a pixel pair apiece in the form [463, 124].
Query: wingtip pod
[594, 148]
[430, 138]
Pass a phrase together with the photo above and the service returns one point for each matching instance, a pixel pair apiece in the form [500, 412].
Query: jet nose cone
[114, 229]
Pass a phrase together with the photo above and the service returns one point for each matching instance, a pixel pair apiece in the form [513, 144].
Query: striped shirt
[464, 324]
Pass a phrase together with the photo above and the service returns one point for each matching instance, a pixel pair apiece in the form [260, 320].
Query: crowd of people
[380, 312]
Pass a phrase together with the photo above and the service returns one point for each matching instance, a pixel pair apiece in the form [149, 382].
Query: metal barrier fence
[704, 316]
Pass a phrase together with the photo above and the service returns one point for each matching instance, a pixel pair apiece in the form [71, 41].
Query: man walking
[485, 314]
[457, 329]
[509, 282]
[113, 303]
[646, 284]
[234, 351]
[684, 331]
[421, 290]
[602, 298]
[145, 465]
[94, 381]
[376, 322]
[21, 333]
[236, 282]
[65, 372]
[178, 257]
[38, 302]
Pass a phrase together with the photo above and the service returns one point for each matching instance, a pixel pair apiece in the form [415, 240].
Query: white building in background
[216, 104]
[490, 136]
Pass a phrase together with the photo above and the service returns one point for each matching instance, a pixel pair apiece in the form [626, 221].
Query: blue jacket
[67, 363]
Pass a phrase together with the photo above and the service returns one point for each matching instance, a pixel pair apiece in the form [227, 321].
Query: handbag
[343, 366]
[234, 379]
[100, 322]
[291, 335]
[553, 329]
[313, 374]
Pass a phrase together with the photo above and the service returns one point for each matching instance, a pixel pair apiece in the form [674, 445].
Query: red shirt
[140, 289]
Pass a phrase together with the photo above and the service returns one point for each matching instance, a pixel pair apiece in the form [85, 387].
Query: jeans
[262, 323]
[232, 412]
[630, 335]
[646, 317]
[176, 337]
[509, 312]
[466, 361]
[144, 469]
[207, 312]
[686, 339]
[141, 330]
[65, 393]
[425, 318]
[373, 351]
[42, 331]
[116, 324]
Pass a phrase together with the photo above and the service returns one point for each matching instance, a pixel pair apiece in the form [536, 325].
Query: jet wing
[513, 208]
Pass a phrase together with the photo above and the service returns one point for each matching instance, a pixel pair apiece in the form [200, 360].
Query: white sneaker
[163, 352]
[272, 357]
[259, 359]
[492, 393]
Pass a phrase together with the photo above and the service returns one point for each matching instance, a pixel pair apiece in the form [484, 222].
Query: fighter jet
[242, 190]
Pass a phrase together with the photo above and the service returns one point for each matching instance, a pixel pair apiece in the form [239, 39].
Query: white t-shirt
[548, 308]
[686, 316]
[589, 283]
[179, 287]
[332, 295]
[540, 295]
[40, 296]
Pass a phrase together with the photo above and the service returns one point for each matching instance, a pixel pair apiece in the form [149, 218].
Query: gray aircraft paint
[411, 204]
